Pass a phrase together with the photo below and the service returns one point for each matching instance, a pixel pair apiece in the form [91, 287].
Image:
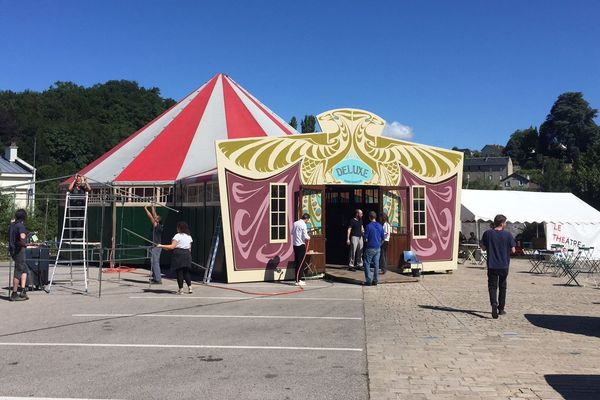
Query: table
[470, 249]
[310, 267]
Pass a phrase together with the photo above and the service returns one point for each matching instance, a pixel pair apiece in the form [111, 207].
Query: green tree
[479, 184]
[294, 123]
[73, 125]
[308, 124]
[569, 128]
[586, 175]
[522, 145]
[555, 176]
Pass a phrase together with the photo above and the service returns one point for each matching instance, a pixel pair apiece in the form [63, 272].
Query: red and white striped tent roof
[180, 142]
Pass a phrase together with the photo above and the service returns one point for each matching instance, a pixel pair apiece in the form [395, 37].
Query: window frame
[414, 211]
[278, 212]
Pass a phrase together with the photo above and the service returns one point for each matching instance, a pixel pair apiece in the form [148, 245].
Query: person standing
[387, 232]
[16, 247]
[157, 229]
[373, 237]
[499, 244]
[181, 260]
[299, 237]
[355, 240]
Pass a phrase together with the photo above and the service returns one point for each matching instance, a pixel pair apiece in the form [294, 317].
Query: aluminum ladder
[73, 238]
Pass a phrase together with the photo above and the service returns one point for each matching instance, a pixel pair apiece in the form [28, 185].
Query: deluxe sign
[352, 171]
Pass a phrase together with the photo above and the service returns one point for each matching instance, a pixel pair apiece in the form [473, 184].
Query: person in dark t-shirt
[355, 240]
[16, 247]
[499, 245]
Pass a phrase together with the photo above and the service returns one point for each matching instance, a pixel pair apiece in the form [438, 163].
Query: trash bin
[38, 262]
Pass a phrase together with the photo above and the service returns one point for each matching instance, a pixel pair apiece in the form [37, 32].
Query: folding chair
[570, 269]
[411, 258]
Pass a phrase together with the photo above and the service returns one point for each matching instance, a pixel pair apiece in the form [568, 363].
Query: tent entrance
[340, 204]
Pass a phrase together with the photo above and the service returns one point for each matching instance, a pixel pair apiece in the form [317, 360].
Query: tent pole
[113, 238]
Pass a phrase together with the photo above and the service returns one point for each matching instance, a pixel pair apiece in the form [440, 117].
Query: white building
[17, 178]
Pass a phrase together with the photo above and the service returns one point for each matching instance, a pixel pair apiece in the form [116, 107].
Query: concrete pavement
[434, 339]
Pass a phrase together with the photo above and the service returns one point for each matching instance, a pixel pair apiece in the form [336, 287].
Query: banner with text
[574, 236]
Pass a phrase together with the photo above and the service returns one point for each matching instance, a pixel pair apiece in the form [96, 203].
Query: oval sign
[352, 171]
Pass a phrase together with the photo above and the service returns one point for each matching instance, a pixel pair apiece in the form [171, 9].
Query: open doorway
[340, 204]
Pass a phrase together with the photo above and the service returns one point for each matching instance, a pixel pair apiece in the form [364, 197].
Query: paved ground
[134, 343]
[434, 339]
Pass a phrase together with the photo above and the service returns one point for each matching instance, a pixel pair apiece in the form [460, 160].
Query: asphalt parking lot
[432, 339]
[142, 342]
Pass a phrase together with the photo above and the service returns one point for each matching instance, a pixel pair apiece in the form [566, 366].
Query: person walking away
[299, 237]
[157, 229]
[16, 247]
[387, 232]
[355, 240]
[499, 244]
[373, 237]
[181, 261]
[78, 188]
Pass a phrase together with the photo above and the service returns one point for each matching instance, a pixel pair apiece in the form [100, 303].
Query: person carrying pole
[155, 250]
[181, 260]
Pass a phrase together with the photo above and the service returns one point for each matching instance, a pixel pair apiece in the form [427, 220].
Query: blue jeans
[372, 255]
[155, 263]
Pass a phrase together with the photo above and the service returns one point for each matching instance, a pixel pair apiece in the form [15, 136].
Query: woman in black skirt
[181, 261]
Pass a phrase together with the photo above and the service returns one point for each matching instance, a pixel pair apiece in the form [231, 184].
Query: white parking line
[159, 297]
[48, 398]
[178, 346]
[216, 316]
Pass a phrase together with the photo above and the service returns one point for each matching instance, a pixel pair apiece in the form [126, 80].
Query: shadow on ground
[159, 291]
[581, 325]
[480, 314]
[575, 387]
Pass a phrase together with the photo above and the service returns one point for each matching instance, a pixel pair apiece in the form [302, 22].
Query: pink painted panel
[441, 214]
[249, 213]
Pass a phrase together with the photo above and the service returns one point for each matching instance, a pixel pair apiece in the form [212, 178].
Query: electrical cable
[266, 294]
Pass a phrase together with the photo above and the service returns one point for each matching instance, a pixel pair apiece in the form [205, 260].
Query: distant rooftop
[7, 167]
[482, 161]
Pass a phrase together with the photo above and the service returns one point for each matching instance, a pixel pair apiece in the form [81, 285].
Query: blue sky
[457, 73]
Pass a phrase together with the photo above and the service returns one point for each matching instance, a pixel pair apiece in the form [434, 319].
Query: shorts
[20, 264]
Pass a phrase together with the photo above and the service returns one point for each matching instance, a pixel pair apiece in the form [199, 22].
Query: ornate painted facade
[350, 152]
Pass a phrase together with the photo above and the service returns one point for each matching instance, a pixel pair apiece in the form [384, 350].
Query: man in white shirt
[299, 236]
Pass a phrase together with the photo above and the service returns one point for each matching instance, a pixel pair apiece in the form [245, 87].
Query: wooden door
[394, 203]
[310, 200]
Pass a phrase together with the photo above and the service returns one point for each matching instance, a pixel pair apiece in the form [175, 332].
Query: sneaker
[501, 311]
[300, 283]
[180, 291]
[15, 297]
[494, 311]
[24, 296]
[351, 269]
[367, 283]
[155, 282]
[382, 271]
[374, 283]
[190, 290]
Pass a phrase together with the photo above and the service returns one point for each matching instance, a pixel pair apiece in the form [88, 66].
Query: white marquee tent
[568, 220]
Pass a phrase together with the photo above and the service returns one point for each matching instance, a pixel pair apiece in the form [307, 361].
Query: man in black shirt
[16, 247]
[355, 241]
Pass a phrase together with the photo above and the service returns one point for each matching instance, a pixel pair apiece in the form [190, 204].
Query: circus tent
[180, 142]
